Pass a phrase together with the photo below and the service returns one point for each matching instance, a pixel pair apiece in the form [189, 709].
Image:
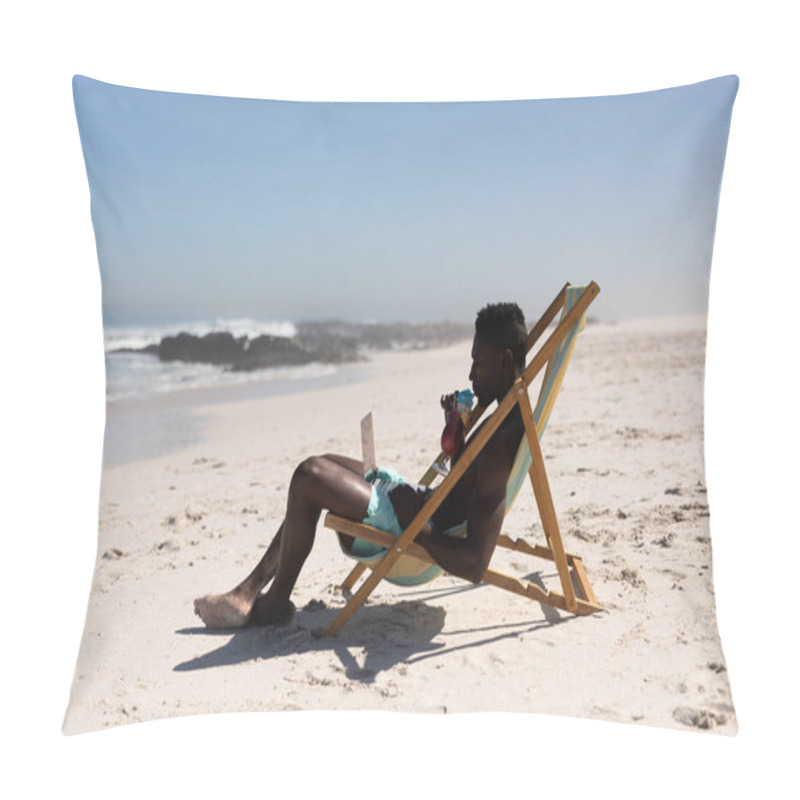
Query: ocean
[136, 375]
[152, 403]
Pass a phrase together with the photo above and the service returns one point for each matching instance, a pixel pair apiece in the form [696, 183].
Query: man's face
[487, 371]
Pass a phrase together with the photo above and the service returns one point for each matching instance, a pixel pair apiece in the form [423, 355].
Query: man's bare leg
[333, 483]
[329, 481]
[232, 609]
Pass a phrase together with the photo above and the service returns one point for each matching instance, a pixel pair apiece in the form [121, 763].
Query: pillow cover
[274, 270]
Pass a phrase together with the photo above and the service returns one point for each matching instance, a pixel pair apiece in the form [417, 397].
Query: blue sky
[208, 207]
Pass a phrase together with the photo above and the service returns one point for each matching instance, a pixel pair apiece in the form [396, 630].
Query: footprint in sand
[198, 462]
[700, 718]
[700, 509]
[633, 433]
[168, 546]
[631, 576]
[665, 541]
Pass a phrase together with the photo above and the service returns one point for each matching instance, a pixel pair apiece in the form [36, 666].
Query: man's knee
[306, 473]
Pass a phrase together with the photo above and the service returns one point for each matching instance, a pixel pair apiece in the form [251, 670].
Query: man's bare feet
[222, 610]
[265, 614]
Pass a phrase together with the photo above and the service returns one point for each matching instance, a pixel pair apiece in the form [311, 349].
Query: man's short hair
[503, 325]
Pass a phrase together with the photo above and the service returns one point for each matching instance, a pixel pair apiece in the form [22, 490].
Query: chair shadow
[388, 634]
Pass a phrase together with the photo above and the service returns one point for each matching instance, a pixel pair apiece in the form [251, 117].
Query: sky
[208, 207]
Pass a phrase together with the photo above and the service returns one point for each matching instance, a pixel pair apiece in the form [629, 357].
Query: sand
[624, 453]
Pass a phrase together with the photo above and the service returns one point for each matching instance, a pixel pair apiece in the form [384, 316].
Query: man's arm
[465, 557]
[469, 557]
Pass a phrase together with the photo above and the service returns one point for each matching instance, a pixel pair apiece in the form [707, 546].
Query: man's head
[498, 350]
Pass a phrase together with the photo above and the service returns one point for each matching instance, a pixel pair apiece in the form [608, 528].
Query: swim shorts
[380, 512]
[407, 571]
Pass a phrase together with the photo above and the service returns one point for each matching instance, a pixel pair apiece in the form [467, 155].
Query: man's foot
[222, 610]
[265, 614]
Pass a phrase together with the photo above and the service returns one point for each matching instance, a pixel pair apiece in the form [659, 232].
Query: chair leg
[544, 500]
[356, 601]
[350, 581]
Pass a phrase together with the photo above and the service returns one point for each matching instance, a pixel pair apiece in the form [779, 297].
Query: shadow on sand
[387, 634]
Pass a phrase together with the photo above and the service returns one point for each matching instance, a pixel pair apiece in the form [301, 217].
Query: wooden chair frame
[569, 566]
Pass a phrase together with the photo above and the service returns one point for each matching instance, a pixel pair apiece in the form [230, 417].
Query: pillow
[272, 271]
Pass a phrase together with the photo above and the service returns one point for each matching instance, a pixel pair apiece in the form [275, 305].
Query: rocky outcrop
[331, 342]
[271, 351]
[213, 348]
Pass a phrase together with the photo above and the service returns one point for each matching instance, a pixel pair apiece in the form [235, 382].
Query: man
[338, 484]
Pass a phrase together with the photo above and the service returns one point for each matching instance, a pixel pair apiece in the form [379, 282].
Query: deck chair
[402, 561]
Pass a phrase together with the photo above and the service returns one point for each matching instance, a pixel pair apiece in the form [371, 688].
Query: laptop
[368, 444]
[368, 456]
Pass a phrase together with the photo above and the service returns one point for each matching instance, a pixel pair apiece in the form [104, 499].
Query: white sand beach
[624, 453]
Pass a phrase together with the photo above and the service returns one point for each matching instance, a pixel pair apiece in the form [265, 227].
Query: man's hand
[406, 501]
[448, 403]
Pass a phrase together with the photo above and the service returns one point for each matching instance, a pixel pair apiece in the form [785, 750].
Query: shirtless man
[337, 483]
